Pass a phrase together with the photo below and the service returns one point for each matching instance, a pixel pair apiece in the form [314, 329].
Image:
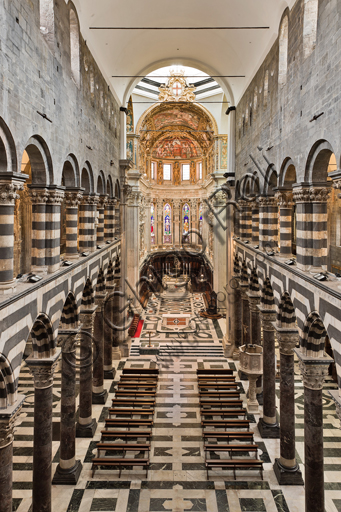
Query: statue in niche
[192, 176]
[160, 173]
[176, 173]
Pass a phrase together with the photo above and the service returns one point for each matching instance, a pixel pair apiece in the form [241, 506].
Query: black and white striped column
[255, 222]
[244, 286]
[100, 224]
[245, 223]
[312, 216]
[39, 197]
[87, 223]
[72, 201]
[109, 220]
[285, 203]
[118, 218]
[53, 215]
[268, 222]
[8, 196]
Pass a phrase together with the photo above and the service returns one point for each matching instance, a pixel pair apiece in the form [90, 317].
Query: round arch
[70, 174]
[8, 155]
[316, 170]
[41, 161]
[87, 178]
[287, 174]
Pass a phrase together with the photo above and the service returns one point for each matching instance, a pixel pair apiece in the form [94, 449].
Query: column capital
[73, 197]
[254, 300]
[9, 189]
[38, 195]
[336, 177]
[284, 198]
[8, 417]
[102, 201]
[87, 316]
[55, 195]
[90, 199]
[287, 339]
[265, 201]
[268, 317]
[313, 369]
[43, 369]
[309, 193]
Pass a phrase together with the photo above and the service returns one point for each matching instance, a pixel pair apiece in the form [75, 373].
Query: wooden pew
[220, 403]
[106, 461]
[225, 423]
[223, 412]
[128, 435]
[214, 372]
[113, 411]
[226, 436]
[122, 447]
[232, 448]
[218, 387]
[138, 402]
[128, 423]
[140, 371]
[234, 464]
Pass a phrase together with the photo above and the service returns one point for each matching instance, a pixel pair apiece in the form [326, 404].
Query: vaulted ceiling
[217, 52]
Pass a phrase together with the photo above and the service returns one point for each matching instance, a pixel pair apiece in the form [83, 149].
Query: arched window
[167, 220]
[152, 223]
[47, 21]
[74, 46]
[266, 88]
[185, 222]
[201, 211]
[283, 51]
[309, 26]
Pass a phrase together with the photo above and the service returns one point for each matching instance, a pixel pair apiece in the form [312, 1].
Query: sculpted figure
[176, 173]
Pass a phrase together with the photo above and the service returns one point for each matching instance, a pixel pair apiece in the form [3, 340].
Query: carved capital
[267, 319]
[287, 342]
[311, 194]
[8, 191]
[90, 199]
[55, 196]
[43, 370]
[284, 199]
[87, 318]
[8, 418]
[73, 199]
[102, 201]
[313, 375]
[266, 201]
[39, 196]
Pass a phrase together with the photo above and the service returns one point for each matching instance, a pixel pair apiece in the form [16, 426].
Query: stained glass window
[201, 211]
[185, 222]
[167, 219]
[152, 223]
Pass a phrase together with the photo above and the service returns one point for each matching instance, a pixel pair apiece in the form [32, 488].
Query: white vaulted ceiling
[216, 52]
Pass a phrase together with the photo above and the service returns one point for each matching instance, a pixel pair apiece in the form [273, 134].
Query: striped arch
[69, 319]
[286, 318]
[110, 275]
[42, 337]
[254, 284]
[313, 336]
[100, 286]
[267, 299]
[117, 266]
[8, 393]
[244, 277]
[88, 299]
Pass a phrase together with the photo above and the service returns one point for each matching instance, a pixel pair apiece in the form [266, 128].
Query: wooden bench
[134, 394]
[218, 387]
[123, 447]
[130, 412]
[132, 378]
[140, 371]
[237, 435]
[218, 371]
[137, 385]
[213, 380]
[219, 394]
[139, 402]
[121, 434]
[127, 423]
[225, 423]
[223, 412]
[234, 464]
[232, 448]
[106, 461]
[134, 324]
[221, 403]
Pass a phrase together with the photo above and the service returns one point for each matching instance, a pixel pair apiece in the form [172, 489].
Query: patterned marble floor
[177, 480]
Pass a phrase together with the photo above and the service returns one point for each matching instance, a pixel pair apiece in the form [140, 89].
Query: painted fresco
[176, 148]
[176, 117]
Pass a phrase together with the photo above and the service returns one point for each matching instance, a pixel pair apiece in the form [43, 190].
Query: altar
[176, 286]
[175, 322]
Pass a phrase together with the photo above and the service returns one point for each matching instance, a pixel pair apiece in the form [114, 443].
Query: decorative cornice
[8, 191]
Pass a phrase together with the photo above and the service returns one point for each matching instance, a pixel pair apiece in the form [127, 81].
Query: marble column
[99, 394]
[100, 226]
[68, 469]
[177, 233]
[268, 223]
[245, 220]
[53, 217]
[255, 222]
[8, 418]
[219, 241]
[268, 425]
[72, 200]
[108, 312]
[42, 371]
[314, 371]
[285, 202]
[245, 323]
[8, 195]
[286, 469]
[86, 425]
[255, 329]
[39, 198]
[118, 222]
[159, 223]
[109, 220]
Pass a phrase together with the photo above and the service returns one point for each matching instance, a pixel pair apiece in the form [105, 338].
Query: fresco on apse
[176, 148]
[176, 117]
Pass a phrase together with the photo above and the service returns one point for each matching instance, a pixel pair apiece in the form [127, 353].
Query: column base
[67, 476]
[109, 374]
[287, 476]
[100, 398]
[268, 431]
[86, 430]
[116, 354]
[8, 287]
